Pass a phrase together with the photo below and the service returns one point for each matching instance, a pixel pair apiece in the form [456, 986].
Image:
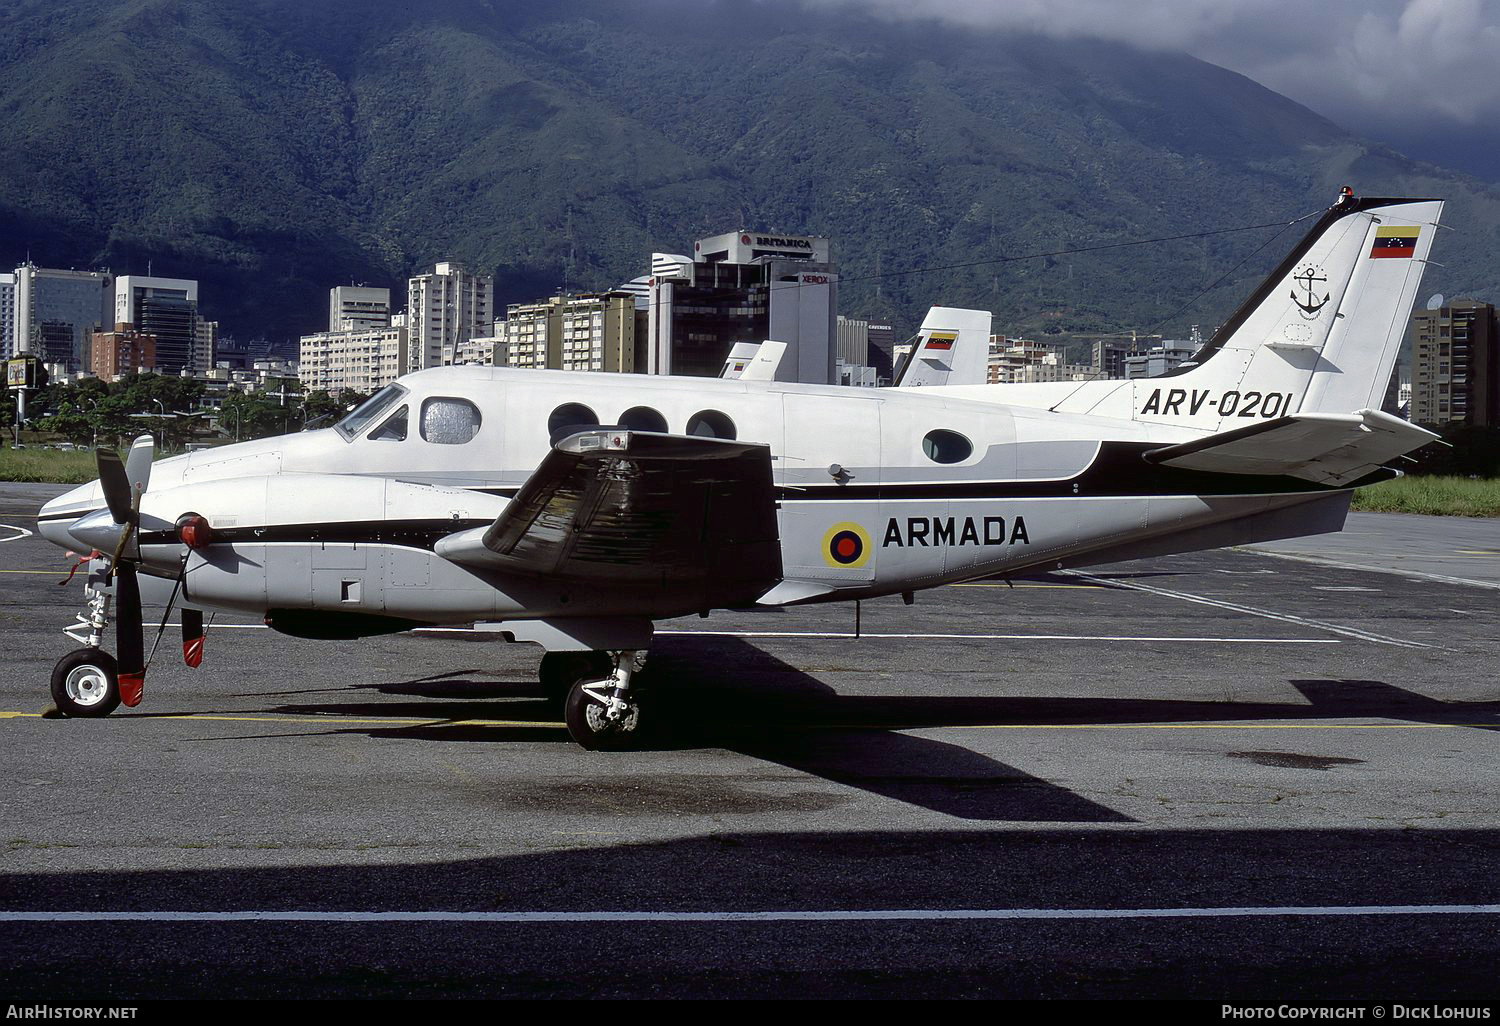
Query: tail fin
[952, 348]
[1320, 335]
[751, 361]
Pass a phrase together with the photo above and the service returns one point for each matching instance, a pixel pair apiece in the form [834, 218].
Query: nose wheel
[86, 683]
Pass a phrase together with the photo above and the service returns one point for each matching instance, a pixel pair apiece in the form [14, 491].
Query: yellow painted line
[541, 724]
[331, 719]
[1215, 726]
[1073, 587]
[367, 721]
[42, 573]
[1477, 552]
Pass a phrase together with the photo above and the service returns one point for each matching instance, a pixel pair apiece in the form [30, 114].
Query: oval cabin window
[946, 447]
[449, 421]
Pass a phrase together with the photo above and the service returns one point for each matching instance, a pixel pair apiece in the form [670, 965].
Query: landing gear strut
[604, 714]
[561, 670]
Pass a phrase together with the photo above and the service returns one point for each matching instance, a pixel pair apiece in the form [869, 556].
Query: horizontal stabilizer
[1327, 448]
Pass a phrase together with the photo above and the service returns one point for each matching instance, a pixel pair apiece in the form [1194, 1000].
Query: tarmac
[1245, 775]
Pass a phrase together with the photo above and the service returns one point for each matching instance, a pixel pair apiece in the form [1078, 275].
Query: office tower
[57, 312]
[358, 308]
[167, 310]
[122, 351]
[745, 287]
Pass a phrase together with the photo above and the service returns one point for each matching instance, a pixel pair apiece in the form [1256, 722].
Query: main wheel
[559, 671]
[85, 683]
[587, 723]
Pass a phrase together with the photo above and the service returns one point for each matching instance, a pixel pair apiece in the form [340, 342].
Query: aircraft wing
[1328, 448]
[634, 508]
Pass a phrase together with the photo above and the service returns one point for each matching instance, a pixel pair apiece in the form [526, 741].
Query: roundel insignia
[846, 545]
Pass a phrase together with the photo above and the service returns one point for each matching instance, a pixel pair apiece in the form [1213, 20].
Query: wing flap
[682, 513]
[1327, 448]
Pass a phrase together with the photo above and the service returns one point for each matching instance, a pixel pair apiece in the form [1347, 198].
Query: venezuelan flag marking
[1395, 242]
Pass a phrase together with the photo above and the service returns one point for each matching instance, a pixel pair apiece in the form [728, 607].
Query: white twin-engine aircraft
[573, 510]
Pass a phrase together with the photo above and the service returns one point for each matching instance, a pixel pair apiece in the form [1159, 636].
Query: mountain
[274, 149]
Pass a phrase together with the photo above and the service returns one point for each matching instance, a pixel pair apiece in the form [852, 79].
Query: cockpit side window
[369, 411]
[394, 428]
[448, 421]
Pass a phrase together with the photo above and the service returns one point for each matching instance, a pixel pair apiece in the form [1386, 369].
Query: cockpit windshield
[369, 410]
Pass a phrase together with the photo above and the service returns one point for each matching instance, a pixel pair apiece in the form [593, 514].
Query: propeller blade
[138, 463]
[192, 637]
[130, 646]
[116, 484]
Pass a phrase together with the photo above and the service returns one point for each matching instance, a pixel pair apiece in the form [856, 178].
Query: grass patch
[47, 465]
[1437, 496]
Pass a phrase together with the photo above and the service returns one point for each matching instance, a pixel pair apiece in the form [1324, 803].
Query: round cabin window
[710, 424]
[946, 447]
[643, 418]
[570, 418]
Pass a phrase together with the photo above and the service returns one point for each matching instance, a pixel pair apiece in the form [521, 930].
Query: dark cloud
[1392, 70]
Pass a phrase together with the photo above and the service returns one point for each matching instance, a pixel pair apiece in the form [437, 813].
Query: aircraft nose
[57, 516]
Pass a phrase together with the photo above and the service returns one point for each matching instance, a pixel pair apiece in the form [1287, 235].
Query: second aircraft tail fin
[952, 348]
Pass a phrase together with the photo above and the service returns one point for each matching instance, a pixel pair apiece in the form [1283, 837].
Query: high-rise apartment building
[590, 332]
[1156, 361]
[57, 312]
[7, 316]
[331, 361]
[444, 310]
[358, 308]
[205, 345]
[1022, 361]
[1455, 365]
[745, 287]
[167, 310]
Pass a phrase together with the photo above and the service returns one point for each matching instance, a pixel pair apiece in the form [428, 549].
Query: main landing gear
[604, 713]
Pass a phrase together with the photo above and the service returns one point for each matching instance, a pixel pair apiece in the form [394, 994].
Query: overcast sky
[1421, 75]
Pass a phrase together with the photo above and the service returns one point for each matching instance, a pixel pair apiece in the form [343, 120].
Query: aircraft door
[830, 472]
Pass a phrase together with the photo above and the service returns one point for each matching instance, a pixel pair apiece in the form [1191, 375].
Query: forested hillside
[275, 148]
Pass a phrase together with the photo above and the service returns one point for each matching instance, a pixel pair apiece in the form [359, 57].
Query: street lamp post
[161, 429]
[93, 422]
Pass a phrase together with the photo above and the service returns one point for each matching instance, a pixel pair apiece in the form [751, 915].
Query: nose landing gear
[86, 681]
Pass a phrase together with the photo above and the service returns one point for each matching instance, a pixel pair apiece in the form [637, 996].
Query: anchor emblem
[1308, 278]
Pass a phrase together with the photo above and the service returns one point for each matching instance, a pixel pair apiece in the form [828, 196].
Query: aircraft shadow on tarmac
[770, 710]
[1349, 958]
